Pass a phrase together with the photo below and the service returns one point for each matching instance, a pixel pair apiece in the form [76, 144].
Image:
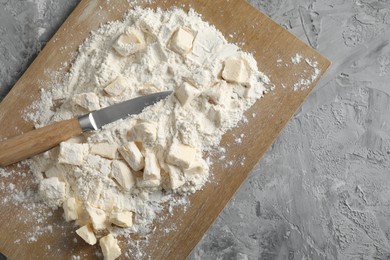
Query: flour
[305, 82]
[158, 154]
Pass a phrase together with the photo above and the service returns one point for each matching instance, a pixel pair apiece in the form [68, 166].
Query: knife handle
[37, 141]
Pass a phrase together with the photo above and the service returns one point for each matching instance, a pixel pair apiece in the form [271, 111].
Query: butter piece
[104, 150]
[152, 168]
[86, 233]
[52, 191]
[110, 248]
[56, 171]
[198, 167]
[122, 219]
[98, 218]
[88, 101]
[117, 87]
[130, 42]
[72, 153]
[175, 177]
[144, 132]
[220, 94]
[141, 183]
[181, 155]
[94, 194]
[132, 156]
[216, 116]
[182, 41]
[71, 209]
[235, 70]
[186, 93]
[122, 174]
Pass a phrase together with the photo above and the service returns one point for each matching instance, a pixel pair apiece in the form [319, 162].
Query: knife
[42, 139]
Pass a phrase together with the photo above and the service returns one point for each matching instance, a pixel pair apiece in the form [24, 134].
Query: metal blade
[99, 118]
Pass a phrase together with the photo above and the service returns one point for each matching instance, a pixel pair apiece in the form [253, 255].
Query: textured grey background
[323, 190]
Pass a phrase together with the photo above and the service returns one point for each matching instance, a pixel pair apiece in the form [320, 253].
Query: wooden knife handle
[37, 141]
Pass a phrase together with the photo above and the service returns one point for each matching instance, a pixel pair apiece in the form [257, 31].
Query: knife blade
[42, 139]
[101, 117]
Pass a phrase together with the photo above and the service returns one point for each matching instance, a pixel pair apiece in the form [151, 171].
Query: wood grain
[267, 40]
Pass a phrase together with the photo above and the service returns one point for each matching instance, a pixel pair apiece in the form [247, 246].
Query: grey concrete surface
[323, 190]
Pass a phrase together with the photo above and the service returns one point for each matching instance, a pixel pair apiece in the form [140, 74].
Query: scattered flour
[296, 59]
[155, 157]
[305, 82]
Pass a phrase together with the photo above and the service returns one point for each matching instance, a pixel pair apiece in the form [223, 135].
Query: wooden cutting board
[273, 48]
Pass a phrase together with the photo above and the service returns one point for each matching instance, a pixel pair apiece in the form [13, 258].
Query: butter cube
[144, 132]
[110, 248]
[216, 116]
[141, 183]
[88, 101]
[117, 87]
[132, 156]
[98, 217]
[122, 219]
[56, 171]
[95, 193]
[122, 174]
[198, 167]
[86, 233]
[52, 191]
[152, 168]
[186, 93]
[181, 155]
[220, 94]
[235, 70]
[104, 150]
[130, 42]
[72, 153]
[182, 41]
[175, 177]
[71, 209]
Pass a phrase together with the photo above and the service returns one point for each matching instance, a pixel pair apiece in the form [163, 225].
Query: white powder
[305, 82]
[217, 106]
[297, 58]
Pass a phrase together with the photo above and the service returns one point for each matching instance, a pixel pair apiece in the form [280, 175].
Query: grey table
[323, 190]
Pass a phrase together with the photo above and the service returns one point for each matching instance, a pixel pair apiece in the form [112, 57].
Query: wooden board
[268, 41]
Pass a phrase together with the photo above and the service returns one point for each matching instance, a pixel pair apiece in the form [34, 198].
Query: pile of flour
[94, 177]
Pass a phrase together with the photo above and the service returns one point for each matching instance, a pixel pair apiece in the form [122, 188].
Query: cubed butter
[141, 183]
[52, 191]
[181, 155]
[130, 42]
[152, 168]
[175, 177]
[86, 233]
[235, 70]
[110, 248]
[181, 41]
[71, 208]
[88, 101]
[122, 174]
[98, 218]
[94, 194]
[220, 94]
[132, 156]
[56, 171]
[216, 116]
[198, 167]
[117, 87]
[144, 132]
[122, 219]
[105, 150]
[186, 93]
[72, 153]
